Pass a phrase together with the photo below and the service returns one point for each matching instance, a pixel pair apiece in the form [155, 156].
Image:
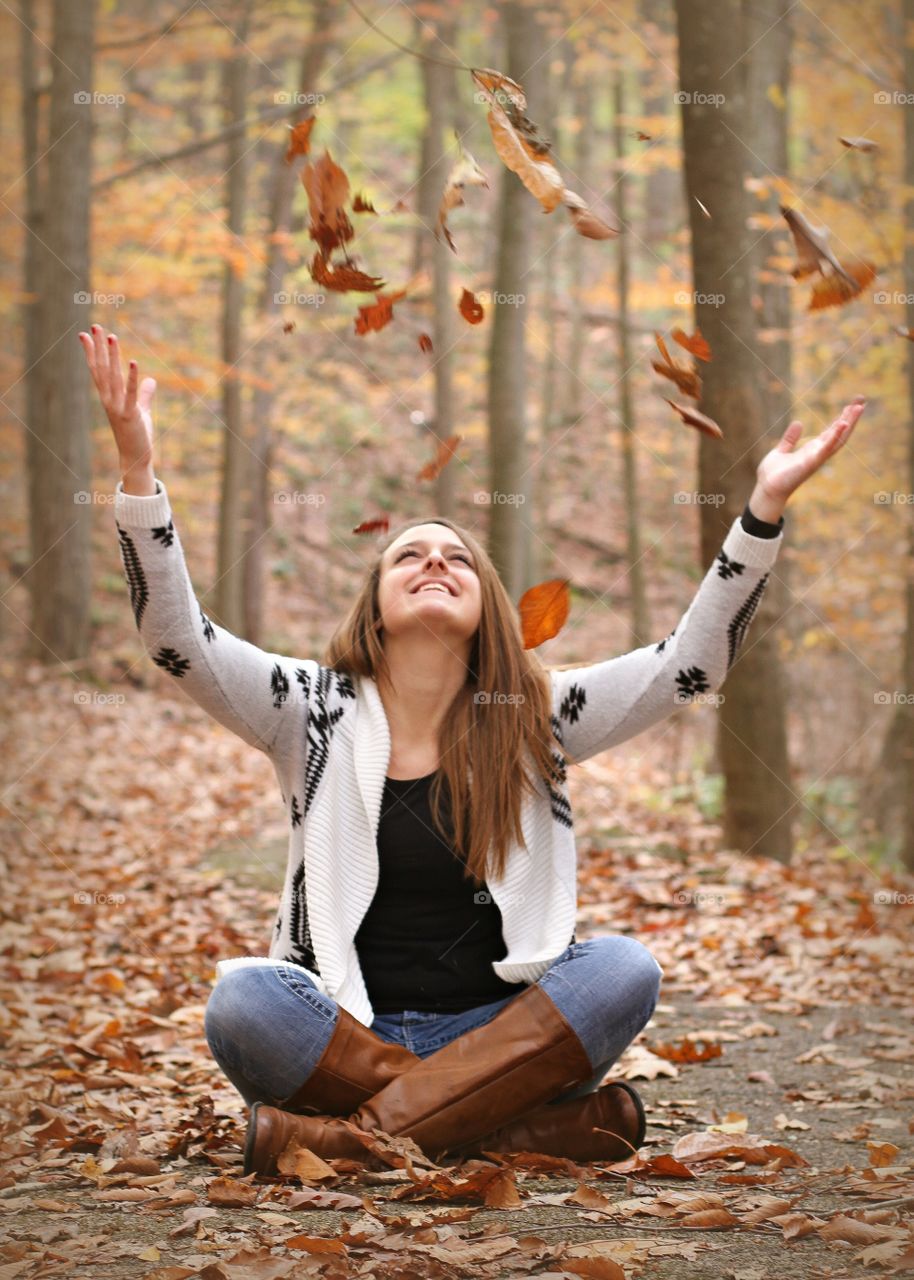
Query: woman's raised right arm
[250, 691]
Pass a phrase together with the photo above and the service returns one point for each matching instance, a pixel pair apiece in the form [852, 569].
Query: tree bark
[229, 596]
[759, 802]
[640, 621]
[507, 374]
[57, 401]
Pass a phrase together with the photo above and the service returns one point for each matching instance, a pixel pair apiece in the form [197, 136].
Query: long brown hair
[495, 733]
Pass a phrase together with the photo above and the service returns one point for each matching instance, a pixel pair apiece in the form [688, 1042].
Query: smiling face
[429, 581]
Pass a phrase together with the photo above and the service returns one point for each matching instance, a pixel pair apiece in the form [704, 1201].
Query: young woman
[423, 975]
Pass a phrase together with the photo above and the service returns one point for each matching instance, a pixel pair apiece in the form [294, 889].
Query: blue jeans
[268, 1025]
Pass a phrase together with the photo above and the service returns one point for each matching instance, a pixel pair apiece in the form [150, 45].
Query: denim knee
[627, 954]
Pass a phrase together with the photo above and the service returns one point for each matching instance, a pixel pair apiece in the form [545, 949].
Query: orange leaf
[328, 190]
[544, 611]
[684, 375]
[375, 315]
[836, 291]
[443, 456]
[692, 418]
[380, 525]
[342, 279]
[300, 139]
[695, 344]
[425, 342]
[470, 308]
[362, 205]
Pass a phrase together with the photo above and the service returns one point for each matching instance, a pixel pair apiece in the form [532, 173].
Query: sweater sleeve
[601, 705]
[245, 688]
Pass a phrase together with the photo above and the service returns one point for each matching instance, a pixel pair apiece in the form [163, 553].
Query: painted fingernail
[110, 337]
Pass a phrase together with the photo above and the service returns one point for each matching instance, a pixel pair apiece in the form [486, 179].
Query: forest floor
[776, 1071]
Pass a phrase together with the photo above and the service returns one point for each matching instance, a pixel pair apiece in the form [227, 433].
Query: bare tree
[57, 403]
[717, 132]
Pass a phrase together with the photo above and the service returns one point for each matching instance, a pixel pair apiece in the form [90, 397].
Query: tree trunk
[229, 607]
[57, 399]
[663, 206]
[712, 42]
[284, 186]
[640, 622]
[507, 374]
[439, 88]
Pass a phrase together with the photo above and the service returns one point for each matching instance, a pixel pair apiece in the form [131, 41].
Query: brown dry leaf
[687, 1051]
[544, 611]
[445, 451]
[465, 173]
[250, 1264]
[301, 1162]
[231, 1193]
[585, 221]
[375, 315]
[835, 291]
[859, 144]
[361, 204]
[425, 342]
[881, 1153]
[379, 525]
[470, 308]
[694, 343]
[342, 278]
[300, 138]
[314, 1244]
[694, 418]
[693, 1148]
[328, 191]
[709, 1219]
[851, 1230]
[685, 376]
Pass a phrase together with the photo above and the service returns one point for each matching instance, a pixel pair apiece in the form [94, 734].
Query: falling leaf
[425, 342]
[361, 205]
[442, 457]
[300, 139]
[543, 611]
[692, 418]
[860, 144]
[289, 326]
[684, 375]
[375, 315]
[521, 149]
[465, 173]
[342, 279]
[695, 344]
[838, 285]
[328, 190]
[643, 137]
[379, 525]
[470, 308]
[702, 207]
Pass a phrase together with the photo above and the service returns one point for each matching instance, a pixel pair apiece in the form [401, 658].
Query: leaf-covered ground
[142, 843]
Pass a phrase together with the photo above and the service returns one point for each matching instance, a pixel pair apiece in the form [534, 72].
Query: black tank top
[429, 937]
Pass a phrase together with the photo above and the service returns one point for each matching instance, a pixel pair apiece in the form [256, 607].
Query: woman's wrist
[764, 507]
[139, 479]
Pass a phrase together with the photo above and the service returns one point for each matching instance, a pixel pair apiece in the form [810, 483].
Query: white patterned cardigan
[327, 736]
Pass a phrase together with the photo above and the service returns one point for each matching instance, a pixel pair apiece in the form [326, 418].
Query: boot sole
[642, 1118]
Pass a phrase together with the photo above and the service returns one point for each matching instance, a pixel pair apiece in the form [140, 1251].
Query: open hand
[129, 412]
[782, 469]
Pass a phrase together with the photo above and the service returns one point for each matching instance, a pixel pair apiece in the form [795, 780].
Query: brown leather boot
[483, 1079]
[609, 1124]
[355, 1064]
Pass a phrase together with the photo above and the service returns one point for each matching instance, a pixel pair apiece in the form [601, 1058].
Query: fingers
[117, 375]
[130, 403]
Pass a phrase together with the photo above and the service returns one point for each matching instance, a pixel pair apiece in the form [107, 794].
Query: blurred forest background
[146, 187]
